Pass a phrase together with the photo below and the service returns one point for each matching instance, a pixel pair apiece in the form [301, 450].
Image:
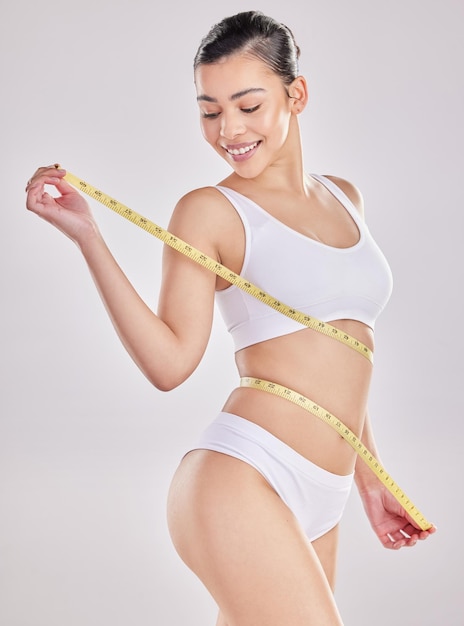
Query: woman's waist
[303, 430]
[341, 385]
[294, 404]
[305, 357]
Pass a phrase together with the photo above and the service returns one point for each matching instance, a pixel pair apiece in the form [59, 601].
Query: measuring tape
[219, 269]
[306, 320]
[348, 435]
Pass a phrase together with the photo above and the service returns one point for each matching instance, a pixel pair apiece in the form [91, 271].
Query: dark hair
[252, 33]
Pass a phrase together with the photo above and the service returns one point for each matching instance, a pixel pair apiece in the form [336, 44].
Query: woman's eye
[213, 116]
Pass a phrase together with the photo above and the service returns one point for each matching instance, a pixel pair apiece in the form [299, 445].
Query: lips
[241, 149]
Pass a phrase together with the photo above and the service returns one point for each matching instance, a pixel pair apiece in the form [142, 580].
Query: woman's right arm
[166, 347]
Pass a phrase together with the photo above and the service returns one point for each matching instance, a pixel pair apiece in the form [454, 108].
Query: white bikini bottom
[316, 497]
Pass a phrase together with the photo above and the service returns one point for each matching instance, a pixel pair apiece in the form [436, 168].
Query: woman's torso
[328, 372]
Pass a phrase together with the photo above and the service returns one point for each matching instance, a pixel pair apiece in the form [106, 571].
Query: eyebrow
[235, 96]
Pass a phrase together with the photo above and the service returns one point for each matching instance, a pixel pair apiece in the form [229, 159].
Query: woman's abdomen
[329, 373]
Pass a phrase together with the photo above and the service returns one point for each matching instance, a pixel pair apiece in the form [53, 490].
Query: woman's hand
[68, 212]
[391, 523]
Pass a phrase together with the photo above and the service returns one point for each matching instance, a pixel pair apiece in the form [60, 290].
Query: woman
[254, 507]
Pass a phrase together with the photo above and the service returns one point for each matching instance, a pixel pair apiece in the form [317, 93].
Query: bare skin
[226, 522]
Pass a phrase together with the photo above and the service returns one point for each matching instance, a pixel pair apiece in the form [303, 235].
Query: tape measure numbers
[216, 267]
[306, 320]
[348, 435]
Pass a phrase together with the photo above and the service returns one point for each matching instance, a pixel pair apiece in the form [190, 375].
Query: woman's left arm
[390, 522]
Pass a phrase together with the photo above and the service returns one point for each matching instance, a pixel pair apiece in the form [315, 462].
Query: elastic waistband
[250, 431]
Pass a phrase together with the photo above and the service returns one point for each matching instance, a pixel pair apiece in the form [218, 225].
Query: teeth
[242, 150]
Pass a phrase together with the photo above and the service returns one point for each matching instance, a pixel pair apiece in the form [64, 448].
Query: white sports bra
[325, 282]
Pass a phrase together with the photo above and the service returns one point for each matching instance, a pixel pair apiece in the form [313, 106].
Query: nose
[232, 125]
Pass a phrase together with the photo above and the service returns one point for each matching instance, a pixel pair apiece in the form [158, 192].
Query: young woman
[254, 508]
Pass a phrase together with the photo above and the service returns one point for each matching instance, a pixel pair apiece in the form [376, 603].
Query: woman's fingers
[48, 175]
[407, 537]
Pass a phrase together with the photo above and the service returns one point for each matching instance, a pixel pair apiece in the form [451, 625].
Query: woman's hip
[315, 496]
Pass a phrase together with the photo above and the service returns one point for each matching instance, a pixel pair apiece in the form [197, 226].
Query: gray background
[87, 446]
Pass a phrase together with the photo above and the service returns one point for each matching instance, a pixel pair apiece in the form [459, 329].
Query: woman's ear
[298, 92]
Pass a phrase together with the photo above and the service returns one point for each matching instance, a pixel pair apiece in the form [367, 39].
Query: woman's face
[245, 112]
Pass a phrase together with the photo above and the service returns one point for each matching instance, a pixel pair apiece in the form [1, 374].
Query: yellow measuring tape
[213, 265]
[306, 320]
[347, 434]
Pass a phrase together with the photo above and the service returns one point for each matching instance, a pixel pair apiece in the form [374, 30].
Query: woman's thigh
[242, 541]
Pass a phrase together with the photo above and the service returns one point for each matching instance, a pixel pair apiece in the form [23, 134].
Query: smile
[242, 150]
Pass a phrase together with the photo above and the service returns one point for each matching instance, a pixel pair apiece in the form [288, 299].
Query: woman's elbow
[166, 385]
[168, 378]
[168, 368]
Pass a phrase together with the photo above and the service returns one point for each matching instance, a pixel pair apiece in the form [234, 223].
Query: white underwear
[316, 497]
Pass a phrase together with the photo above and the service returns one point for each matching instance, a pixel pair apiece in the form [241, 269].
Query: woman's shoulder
[200, 195]
[200, 202]
[350, 190]
[203, 209]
